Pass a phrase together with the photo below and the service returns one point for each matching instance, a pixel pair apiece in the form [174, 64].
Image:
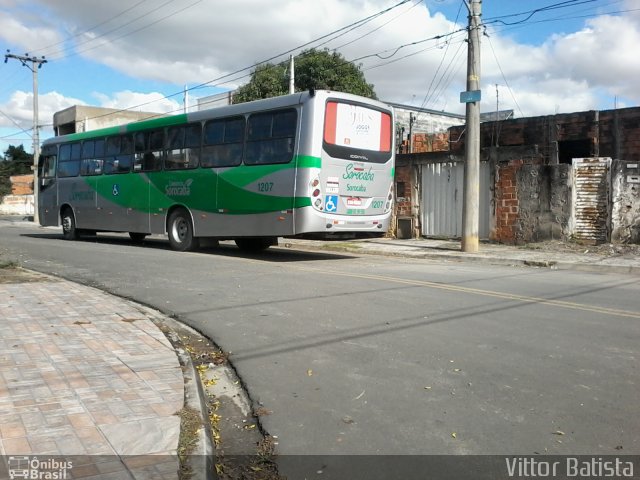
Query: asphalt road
[377, 355]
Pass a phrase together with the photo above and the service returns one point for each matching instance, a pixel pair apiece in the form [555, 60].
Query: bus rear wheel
[69, 231]
[180, 230]
[254, 244]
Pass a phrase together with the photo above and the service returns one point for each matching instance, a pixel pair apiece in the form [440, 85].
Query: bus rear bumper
[339, 227]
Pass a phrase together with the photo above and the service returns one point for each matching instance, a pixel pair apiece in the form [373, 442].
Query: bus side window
[69, 161]
[271, 137]
[90, 164]
[140, 141]
[153, 158]
[183, 147]
[119, 155]
[223, 142]
[147, 151]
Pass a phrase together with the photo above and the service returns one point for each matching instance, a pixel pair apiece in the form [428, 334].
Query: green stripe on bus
[73, 137]
[306, 161]
[158, 122]
[208, 193]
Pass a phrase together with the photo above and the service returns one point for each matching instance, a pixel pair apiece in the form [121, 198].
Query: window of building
[570, 149]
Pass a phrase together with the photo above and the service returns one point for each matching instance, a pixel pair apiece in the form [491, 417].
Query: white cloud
[164, 41]
[27, 37]
[144, 102]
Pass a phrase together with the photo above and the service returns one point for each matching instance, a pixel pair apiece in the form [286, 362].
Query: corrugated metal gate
[591, 185]
[442, 199]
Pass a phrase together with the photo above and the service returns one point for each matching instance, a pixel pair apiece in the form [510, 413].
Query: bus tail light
[316, 193]
[387, 205]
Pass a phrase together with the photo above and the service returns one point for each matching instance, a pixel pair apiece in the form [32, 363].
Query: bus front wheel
[69, 231]
[180, 230]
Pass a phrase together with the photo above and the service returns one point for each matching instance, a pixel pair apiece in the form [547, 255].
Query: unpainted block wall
[533, 202]
[625, 193]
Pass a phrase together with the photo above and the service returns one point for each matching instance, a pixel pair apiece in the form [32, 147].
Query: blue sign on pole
[470, 96]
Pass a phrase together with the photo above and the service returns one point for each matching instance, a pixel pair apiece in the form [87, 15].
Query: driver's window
[49, 166]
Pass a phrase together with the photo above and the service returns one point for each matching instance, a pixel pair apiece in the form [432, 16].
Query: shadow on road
[277, 254]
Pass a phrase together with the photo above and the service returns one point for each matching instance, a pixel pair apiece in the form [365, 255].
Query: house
[566, 176]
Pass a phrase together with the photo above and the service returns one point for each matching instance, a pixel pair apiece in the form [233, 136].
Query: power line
[444, 55]
[503, 76]
[79, 34]
[531, 13]
[93, 47]
[418, 2]
[233, 76]
[229, 76]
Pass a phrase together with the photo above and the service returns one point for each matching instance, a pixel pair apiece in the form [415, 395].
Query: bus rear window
[357, 127]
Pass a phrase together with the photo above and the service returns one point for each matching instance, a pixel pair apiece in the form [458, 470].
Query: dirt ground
[604, 249]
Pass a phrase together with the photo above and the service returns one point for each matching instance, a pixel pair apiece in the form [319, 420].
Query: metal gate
[591, 185]
[442, 199]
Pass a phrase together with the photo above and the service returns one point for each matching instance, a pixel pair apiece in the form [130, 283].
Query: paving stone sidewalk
[83, 373]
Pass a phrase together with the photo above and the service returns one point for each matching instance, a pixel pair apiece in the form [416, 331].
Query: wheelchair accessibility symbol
[116, 190]
[331, 203]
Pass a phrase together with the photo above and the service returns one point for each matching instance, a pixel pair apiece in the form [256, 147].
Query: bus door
[47, 187]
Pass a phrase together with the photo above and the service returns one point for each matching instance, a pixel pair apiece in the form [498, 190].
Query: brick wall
[430, 142]
[506, 198]
[606, 133]
[404, 205]
[21, 184]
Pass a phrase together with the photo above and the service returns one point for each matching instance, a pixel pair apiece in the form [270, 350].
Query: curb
[201, 461]
[368, 249]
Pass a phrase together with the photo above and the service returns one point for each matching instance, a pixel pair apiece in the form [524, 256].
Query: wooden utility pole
[471, 193]
[36, 64]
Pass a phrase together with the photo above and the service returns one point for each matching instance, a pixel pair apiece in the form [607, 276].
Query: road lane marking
[479, 291]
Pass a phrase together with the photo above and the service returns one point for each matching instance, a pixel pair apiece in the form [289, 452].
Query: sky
[538, 57]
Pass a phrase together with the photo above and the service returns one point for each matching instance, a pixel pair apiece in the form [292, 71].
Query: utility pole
[292, 75]
[471, 193]
[412, 118]
[36, 64]
[185, 99]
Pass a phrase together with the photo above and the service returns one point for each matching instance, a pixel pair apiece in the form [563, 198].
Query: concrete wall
[21, 201]
[82, 118]
[532, 202]
[17, 205]
[625, 196]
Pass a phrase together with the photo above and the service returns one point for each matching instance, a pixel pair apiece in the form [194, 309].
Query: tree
[16, 162]
[318, 69]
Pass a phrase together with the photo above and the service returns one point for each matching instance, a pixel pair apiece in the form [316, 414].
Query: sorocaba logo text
[353, 172]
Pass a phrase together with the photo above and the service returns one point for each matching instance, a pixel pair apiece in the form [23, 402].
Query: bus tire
[69, 230]
[254, 244]
[180, 230]
[137, 237]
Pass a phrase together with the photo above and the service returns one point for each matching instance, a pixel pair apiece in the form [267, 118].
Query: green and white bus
[318, 164]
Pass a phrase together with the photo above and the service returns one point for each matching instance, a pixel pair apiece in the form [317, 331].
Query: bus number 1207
[265, 186]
